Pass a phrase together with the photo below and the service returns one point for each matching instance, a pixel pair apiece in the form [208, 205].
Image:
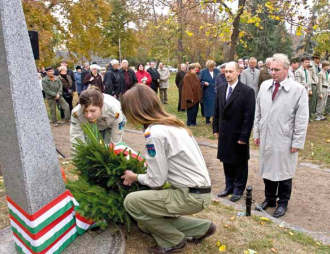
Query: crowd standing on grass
[277, 96]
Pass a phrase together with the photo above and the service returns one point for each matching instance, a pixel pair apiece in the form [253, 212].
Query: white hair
[124, 61]
[183, 65]
[269, 59]
[260, 62]
[86, 64]
[94, 66]
[282, 58]
[114, 61]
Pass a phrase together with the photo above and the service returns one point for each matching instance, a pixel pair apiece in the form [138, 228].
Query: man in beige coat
[280, 127]
[164, 82]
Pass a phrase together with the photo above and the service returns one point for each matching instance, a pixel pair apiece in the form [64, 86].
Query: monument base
[110, 241]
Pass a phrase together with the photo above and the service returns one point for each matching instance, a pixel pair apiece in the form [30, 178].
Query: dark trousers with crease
[192, 114]
[236, 177]
[281, 190]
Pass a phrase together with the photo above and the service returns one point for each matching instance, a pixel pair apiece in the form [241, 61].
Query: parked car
[171, 69]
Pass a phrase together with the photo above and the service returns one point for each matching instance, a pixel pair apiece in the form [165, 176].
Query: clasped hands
[129, 177]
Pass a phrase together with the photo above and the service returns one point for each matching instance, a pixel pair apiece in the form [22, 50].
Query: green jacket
[51, 88]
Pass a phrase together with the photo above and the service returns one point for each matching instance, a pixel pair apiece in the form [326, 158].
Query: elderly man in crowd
[164, 82]
[265, 71]
[154, 76]
[53, 88]
[314, 71]
[280, 127]
[221, 77]
[250, 76]
[179, 81]
[113, 81]
[128, 76]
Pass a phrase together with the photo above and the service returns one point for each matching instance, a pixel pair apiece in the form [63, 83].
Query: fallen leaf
[262, 223]
[328, 140]
[291, 233]
[215, 200]
[232, 218]
[264, 218]
[249, 251]
[226, 226]
[222, 248]
[318, 243]
[218, 243]
[281, 226]
[273, 250]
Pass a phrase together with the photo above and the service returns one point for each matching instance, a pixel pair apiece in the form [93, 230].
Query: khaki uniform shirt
[112, 120]
[314, 73]
[323, 79]
[304, 78]
[291, 74]
[173, 156]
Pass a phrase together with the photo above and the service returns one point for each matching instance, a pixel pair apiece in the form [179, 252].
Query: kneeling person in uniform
[173, 156]
[101, 109]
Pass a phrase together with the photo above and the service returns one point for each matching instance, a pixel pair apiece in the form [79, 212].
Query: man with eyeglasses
[280, 127]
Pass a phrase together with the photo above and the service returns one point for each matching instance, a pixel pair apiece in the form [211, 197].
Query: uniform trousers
[52, 107]
[280, 189]
[163, 95]
[327, 106]
[236, 177]
[313, 100]
[321, 103]
[158, 212]
[192, 114]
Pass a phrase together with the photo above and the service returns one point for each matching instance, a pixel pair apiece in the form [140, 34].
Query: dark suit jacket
[233, 121]
[154, 75]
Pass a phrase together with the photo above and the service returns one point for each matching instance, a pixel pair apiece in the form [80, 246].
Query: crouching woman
[173, 156]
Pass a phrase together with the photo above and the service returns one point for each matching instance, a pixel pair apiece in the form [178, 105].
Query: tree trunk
[235, 35]
[180, 21]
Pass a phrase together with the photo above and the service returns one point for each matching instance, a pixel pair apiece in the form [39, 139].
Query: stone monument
[41, 210]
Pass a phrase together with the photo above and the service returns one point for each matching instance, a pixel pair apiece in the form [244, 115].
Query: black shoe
[225, 193]
[264, 205]
[235, 198]
[208, 233]
[280, 211]
[159, 250]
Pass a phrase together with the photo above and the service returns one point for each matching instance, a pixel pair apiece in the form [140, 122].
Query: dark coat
[179, 79]
[155, 76]
[97, 81]
[132, 76]
[71, 74]
[209, 92]
[113, 82]
[84, 72]
[233, 121]
[264, 75]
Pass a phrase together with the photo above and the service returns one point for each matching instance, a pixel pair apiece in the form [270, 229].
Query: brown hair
[141, 105]
[91, 96]
[325, 63]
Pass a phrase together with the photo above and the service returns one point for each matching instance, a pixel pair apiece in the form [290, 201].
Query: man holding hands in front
[280, 128]
[232, 125]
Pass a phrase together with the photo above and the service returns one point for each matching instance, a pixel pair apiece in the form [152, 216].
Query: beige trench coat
[280, 124]
[164, 78]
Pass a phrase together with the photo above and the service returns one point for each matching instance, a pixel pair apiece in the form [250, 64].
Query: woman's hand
[129, 177]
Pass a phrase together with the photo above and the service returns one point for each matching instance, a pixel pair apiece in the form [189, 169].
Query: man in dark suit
[155, 77]
[232, 125]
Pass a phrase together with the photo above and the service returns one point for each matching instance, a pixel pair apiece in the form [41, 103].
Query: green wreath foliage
[99, 188]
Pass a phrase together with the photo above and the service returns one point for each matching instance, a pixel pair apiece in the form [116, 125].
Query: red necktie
[277, 86]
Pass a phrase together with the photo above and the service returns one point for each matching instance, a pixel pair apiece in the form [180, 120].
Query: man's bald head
[232, 71]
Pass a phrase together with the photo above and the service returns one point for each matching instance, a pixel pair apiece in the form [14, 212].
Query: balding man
[280, 128]
[250, 76]
[265, 71]
[232, 125]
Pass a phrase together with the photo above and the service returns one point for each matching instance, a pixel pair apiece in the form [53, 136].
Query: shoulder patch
[116, 115]
[151, 150]
[75, 114]
[147, 134]
[121, 125]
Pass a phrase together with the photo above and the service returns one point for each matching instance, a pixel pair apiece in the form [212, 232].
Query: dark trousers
[236, 177]
[154, 87]
[192, 114]
[281, 190]
[179, 103]
[69, 101]
[202, 108]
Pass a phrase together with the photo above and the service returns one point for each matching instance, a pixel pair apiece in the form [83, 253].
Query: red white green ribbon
[50, 229]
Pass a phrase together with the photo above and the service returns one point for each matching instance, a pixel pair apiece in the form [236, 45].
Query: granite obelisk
[27, 153]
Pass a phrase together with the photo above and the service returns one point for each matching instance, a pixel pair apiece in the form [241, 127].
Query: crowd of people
[275, 98]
